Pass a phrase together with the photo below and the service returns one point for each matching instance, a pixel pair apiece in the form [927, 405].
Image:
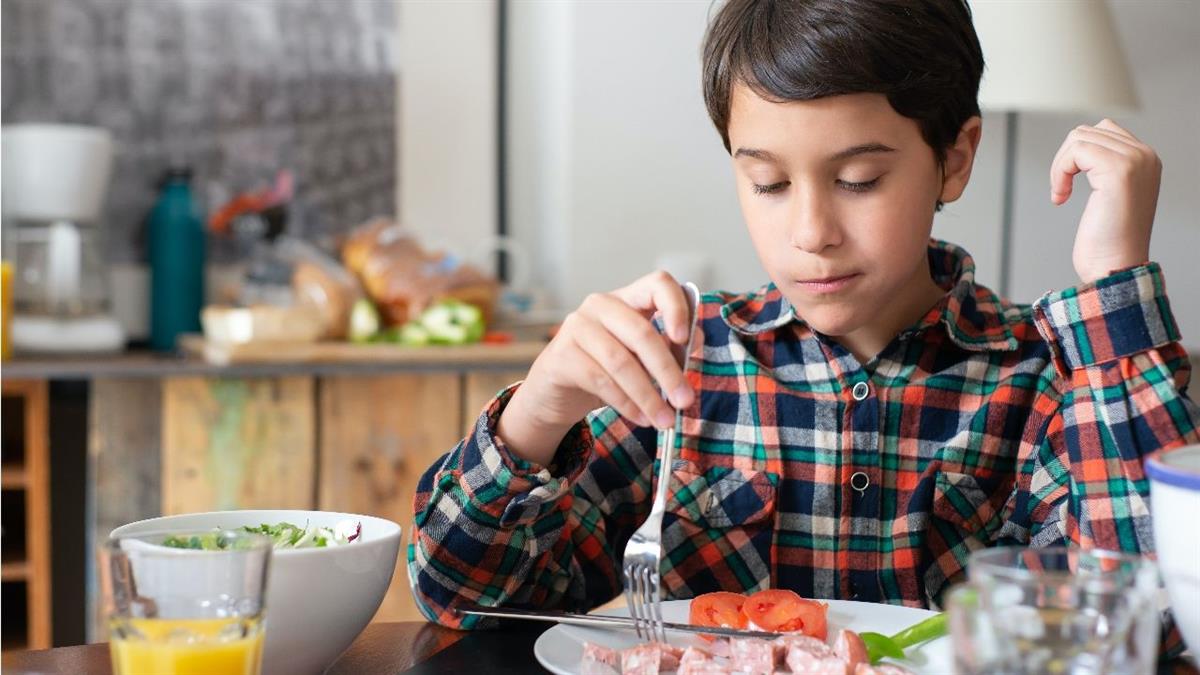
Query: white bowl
[1174, 506]
[318, 599]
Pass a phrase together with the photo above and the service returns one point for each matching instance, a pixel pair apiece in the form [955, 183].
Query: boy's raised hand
[607, 352]
[1114, 231]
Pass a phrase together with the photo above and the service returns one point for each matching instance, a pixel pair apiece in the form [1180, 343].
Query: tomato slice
[784, 611]
[720, 609]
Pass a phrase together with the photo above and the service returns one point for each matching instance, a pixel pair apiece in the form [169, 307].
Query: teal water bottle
[176, 242]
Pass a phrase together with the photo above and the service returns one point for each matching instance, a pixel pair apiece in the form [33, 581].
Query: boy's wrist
[511, 488]
[526, 434]
[1096, 270]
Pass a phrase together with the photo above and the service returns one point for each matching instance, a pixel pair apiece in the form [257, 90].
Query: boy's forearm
[476, 509]
[1121, 373]
[454, 512]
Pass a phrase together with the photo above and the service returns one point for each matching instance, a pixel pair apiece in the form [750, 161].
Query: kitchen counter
[517, 355]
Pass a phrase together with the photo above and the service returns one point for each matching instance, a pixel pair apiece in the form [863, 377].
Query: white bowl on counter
[318, 599]
[1174, 507]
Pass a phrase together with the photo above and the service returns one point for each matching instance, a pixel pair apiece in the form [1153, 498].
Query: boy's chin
[834, 321]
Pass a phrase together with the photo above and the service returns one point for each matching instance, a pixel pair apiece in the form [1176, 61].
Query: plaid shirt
[985, 423]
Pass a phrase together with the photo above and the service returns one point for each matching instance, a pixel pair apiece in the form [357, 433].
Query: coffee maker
[54, 182]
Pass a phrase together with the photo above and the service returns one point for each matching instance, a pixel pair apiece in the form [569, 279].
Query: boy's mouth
[829, 284]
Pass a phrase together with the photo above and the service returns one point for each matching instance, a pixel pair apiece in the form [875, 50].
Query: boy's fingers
[1060, 181]
[1126, 144]
[1065, 166]
[1109, 125]
[1122, 138]
[624, 369]
[1075, 156]
[1109, 139]
[638, 335]
[660, 292]
[601, 385]
[1063, 170]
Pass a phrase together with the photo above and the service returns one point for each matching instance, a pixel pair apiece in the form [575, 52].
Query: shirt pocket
[967, 502]
[720, 498]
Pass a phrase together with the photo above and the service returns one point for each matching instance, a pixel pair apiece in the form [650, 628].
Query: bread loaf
[403, 279]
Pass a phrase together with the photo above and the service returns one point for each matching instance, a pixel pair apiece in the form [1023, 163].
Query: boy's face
[839, 196]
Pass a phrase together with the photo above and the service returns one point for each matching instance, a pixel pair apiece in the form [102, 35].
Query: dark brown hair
[922, 54]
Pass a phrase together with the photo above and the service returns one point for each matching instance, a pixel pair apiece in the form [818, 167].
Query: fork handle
[668, 451]
[664, 467]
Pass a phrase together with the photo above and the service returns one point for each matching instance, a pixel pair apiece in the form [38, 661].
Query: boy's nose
[813, 226]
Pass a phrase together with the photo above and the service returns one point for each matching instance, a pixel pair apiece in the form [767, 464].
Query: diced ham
[642, 659]
[752, 656]
[709, 668]
[783, 643]
[851, 648]
[807, 664]
[696, 661]
[694, 655]
[720, 648]
[793, 653]
[880, 669]
[802, 640]
[809, 656]
[670, 656]
[600, 660]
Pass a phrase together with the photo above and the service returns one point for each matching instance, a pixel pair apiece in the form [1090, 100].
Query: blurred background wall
[612, 161]
[236, 90]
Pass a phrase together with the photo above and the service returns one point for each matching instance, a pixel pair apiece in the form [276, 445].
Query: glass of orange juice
[6, 309]
[186, 603]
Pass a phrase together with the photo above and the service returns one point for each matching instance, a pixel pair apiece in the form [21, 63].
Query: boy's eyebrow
[853, 151]
[865, 148]
[755, 153]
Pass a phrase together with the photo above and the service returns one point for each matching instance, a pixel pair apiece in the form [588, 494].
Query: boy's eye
[769, 189]
[857, 187]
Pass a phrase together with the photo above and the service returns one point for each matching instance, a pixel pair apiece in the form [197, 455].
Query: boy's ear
[960, 157]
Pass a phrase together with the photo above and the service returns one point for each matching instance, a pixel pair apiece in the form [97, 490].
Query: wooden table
[383, 648]
[387, 648]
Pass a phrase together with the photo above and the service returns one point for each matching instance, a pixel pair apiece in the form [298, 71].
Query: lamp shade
[1051, 56]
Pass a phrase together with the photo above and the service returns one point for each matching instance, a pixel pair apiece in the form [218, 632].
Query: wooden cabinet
[234, 443]
[378, 435]
[354, 441]
[25, 542]
[481, 387]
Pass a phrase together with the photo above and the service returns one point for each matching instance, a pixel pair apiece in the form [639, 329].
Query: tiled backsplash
[238, 89]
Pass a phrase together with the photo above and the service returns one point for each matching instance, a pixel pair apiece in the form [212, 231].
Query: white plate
[560, 649]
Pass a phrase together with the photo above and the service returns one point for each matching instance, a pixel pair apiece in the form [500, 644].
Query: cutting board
[516, 353]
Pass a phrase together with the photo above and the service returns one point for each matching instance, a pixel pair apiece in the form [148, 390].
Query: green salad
[284, 535]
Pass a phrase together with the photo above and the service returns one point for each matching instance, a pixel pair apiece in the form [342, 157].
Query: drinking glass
[1055, 610]
[186, 603]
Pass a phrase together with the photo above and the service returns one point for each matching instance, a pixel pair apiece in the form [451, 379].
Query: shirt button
[860, 391]
[860, 481]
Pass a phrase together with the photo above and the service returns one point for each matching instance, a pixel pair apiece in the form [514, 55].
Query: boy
[857, 427]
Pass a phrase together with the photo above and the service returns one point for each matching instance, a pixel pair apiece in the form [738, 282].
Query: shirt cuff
[510, 488]
[1120, 315]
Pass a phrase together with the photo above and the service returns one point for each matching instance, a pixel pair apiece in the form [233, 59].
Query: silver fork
[643, 552]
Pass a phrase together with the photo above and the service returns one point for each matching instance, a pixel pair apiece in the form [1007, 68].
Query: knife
[604, 621]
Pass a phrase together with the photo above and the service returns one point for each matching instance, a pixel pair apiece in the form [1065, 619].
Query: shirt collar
[974, 317]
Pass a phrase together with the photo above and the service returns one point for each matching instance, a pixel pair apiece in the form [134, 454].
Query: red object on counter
[497, 337]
